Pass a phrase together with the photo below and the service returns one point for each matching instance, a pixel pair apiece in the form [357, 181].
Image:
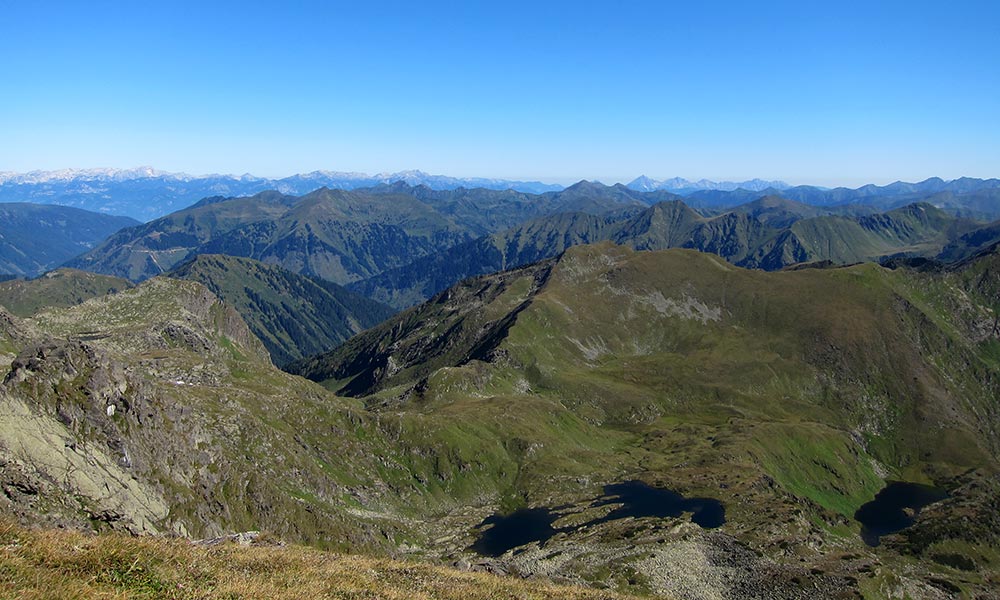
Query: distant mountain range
[339, 235]
[770, 234]
[968, 197]
[146, 193]
[399, 245]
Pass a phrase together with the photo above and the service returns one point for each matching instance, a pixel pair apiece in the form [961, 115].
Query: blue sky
[810, 92]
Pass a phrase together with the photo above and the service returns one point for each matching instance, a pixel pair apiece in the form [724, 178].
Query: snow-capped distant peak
[292, 184]
[98, 174]
[642, 184]
[646, 184]
[322, 174]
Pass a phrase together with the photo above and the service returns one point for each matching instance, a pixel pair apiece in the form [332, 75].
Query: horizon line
[560, 181]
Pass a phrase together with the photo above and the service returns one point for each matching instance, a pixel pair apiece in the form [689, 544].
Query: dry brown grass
[37, 564]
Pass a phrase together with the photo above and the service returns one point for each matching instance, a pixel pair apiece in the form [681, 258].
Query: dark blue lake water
[516, 529]
[888, 513]
[635, 499]
[640, 500]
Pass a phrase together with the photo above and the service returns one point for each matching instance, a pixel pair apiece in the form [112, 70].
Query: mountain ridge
[146, 193]
[679, 184]
[770, 233]
[60, 288]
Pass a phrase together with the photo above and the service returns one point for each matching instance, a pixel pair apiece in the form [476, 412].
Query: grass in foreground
[38, 564]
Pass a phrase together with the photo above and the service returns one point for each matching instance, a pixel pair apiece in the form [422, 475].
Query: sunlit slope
[60, 564]
[828, 381]
[57, 289]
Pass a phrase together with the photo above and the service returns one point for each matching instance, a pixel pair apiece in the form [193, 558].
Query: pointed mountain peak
[643, 184]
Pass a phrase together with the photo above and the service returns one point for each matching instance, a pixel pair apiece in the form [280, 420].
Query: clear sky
[809, 92]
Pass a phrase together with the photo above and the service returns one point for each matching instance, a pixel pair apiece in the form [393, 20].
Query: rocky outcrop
[156, 410]
[48, 469]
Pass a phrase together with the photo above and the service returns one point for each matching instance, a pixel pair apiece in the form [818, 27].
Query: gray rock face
[138, 411]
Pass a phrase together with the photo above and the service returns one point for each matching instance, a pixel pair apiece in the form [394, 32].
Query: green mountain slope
[801, 313]
[792, 396]
[919, 229]
[37, 237]
[56, 289]
[293, 315]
